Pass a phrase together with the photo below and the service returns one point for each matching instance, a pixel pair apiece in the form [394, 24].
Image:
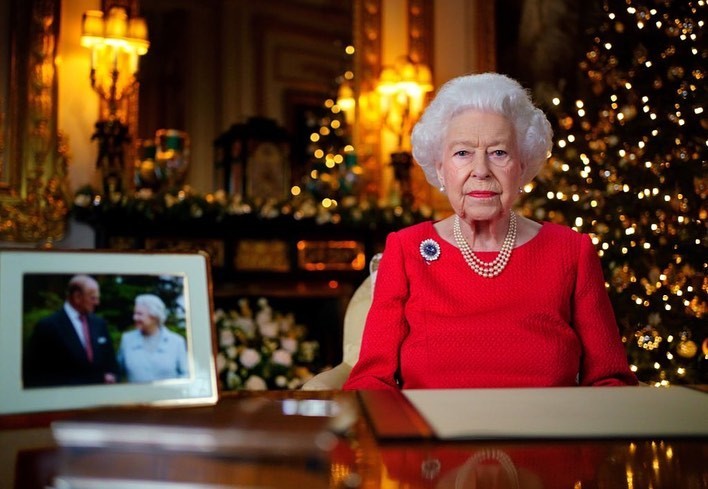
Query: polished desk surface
[30, 458]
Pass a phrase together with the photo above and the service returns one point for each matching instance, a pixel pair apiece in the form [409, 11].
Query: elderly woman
[152, 352]
[485, 297]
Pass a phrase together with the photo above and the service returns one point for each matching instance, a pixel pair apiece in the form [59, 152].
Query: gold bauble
[687, 348]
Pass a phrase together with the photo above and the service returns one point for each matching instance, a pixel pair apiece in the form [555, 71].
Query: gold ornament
[687, 348]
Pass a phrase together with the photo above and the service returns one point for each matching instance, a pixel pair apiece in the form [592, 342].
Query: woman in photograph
[152, 352]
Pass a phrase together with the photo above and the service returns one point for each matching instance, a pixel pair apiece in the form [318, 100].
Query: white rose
[220, 362]
[246, 325]
[287, 323]
[219, 314]
[282, 357]
[249, 358]
[289, 344]
[264, 316]
[281, 381]
[268, 329]
[226, 338]
[255, 383]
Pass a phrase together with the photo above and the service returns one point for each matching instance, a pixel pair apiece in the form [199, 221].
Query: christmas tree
[629, 168]
[333, 172]
[332, 169]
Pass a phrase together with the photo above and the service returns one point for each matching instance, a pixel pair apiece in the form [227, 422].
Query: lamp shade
[92, 28]
[138, 33]
[117, 23]
[388, 80]
[116, 42]
[425, 78]
[137, 29]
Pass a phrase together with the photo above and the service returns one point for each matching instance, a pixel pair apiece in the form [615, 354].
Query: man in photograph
[71, 346]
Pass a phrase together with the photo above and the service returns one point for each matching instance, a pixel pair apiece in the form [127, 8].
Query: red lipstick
[482, 194]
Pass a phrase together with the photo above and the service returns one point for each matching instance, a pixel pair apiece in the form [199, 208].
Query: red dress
[545, 321]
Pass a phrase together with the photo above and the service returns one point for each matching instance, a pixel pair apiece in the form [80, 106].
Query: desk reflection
[359, 461]
[653, 464]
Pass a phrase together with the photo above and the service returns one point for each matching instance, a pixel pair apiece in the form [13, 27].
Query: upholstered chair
[354, 320]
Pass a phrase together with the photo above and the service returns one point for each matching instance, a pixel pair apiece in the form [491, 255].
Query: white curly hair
[490, 92]
[154, 305]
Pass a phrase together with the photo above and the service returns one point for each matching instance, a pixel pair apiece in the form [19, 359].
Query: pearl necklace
[483, 268]
[493, 454]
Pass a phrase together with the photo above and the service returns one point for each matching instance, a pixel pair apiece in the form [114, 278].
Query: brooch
[429, 250]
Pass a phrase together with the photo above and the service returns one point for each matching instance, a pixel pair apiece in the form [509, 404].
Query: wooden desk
[30, 459]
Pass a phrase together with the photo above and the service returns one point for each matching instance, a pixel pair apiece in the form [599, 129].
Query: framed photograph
[86, 329]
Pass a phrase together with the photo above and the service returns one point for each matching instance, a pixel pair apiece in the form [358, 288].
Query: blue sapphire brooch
[429, 250]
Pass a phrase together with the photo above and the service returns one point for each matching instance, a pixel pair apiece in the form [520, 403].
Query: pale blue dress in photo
[158, 357]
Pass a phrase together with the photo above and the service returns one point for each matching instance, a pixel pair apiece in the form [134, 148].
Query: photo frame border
[199, 389]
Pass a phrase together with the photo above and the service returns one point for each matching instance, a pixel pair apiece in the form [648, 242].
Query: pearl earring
[442, 188]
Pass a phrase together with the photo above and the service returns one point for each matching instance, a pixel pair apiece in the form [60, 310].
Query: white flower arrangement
[263, 350]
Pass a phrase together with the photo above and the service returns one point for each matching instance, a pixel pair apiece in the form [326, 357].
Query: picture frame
[34, 283]
[267, 171]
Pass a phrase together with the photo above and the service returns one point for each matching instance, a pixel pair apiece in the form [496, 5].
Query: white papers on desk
[563, 412]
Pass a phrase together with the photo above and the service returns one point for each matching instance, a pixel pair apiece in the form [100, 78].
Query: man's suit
[56, 356]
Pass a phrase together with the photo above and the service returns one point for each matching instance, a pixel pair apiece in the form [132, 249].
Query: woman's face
[480, 165]
[146, 323]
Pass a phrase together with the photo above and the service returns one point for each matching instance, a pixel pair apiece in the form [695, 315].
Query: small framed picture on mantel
[253, 160]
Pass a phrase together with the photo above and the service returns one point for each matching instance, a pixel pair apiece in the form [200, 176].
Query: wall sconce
[116, 42]
[402, 89]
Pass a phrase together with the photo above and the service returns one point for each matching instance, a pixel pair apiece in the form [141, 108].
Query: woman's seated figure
[486, 297]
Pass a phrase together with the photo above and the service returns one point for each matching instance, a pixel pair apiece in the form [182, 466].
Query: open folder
[538, 413]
